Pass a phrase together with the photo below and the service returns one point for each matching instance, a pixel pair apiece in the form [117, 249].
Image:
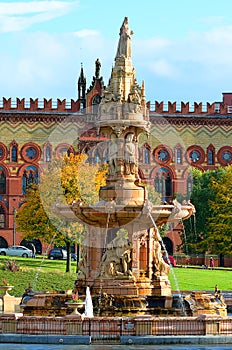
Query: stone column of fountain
[112, 267]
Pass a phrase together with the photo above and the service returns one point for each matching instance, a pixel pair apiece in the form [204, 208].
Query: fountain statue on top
[122, 260]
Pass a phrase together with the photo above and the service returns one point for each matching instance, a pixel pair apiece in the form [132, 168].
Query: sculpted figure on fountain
[116, 261]
[130, 155]
[160, 268]
[113, 155]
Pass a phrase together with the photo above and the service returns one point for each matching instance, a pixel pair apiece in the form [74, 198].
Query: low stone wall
[116, 326]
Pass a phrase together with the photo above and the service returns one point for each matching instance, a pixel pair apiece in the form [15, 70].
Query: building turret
[82, 88]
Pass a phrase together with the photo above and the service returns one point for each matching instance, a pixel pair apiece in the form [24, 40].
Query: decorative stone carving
[124, 44]
[130, 155]
[113, 155]
[160, 268]
[116, 260]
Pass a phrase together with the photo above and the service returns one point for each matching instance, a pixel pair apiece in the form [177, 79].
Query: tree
[65, 180]
[32, 219]
[80, 180]
[197, 228]
[153, 196]
[219, 239]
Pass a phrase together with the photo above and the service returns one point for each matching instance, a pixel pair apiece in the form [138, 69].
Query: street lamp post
[14, 226]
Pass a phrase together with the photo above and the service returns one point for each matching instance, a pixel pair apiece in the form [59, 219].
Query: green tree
[219, 239]
[197, 227]
[32, 219]
[153, 196]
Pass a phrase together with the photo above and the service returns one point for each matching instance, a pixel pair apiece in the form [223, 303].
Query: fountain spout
[88, 304]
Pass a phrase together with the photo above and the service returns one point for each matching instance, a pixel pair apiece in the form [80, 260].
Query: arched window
[3, 151]
[14, 154]
[47, 154]
[2, 217]
[2, 181]
[30, 176]
[189, 185]
[96, 158]
[3, 243]
[168, 185]
[95, 103]
[146, 155]
[163, 183]
[64, 149]
[168, 245]
[179, 156]
[210, 157]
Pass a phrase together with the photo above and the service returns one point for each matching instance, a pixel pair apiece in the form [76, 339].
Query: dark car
[58, 254]
[73, 257]
[170, 260]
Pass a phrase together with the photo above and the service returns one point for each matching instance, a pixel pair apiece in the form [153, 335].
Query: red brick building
[33, 133]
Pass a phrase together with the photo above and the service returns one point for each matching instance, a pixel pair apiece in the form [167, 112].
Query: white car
[17, 250]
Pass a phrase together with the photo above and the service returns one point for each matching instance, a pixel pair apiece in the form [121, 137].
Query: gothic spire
[82, 87]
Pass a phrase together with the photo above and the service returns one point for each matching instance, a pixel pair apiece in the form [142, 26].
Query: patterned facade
[33, 134]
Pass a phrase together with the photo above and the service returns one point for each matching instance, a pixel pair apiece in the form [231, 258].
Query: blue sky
[181, 49]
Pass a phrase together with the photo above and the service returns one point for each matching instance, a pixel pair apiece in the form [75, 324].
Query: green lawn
[41, 273]
[200, 279]
[50, 275]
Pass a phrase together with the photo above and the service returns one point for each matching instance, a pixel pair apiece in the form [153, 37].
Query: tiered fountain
[122, 262]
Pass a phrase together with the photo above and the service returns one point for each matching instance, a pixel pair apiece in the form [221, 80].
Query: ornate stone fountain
[122, 260]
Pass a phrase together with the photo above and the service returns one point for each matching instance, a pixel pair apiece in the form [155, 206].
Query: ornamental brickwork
[35, 132]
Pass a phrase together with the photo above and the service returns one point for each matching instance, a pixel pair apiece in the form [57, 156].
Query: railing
[115, 327]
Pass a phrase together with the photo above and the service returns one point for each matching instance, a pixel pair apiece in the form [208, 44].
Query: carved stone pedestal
[144, 286]
[161, 286]
[116, 286]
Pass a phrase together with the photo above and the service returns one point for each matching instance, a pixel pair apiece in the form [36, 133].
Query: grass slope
[50, 275]
[42, 274]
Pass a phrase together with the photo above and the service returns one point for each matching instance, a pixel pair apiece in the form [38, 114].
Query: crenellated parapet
[36, 105]
[187, 108]
[56, 106]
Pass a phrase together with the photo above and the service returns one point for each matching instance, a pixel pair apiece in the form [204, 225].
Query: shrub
[12, 266]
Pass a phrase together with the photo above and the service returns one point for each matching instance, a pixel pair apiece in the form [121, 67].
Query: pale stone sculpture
[116, 260]
[124, 44]
[130, 155]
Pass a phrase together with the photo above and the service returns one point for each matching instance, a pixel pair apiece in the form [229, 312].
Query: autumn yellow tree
[65, 180]
[81, 180]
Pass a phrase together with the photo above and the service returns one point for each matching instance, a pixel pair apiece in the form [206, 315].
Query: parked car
[17, 250]
[170, 260]
[60, 254]
[57, 254]
[73, 257]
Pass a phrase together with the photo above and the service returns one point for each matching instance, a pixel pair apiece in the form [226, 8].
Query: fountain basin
[114, 216]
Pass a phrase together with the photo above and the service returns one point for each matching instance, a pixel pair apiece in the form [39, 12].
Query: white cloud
[199, 51]
[16, 16]
[212, 20]
[163, 67]
[86, 33]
